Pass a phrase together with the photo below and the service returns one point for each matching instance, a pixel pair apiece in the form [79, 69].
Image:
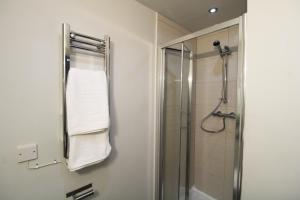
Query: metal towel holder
[74, 40]
[81, 193]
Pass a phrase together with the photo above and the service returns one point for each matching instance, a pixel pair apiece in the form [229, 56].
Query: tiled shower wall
[213, 154]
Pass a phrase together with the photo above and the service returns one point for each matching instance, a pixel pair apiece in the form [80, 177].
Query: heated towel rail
[73, 40]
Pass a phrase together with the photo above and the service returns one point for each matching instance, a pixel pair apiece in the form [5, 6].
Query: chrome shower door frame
[183, 49]
[238, 152]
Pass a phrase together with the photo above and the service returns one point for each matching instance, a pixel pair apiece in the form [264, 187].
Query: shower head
[223, 52]
[216, 43]
[218, 46]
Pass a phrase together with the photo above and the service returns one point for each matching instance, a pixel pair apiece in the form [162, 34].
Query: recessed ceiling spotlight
[213, 10]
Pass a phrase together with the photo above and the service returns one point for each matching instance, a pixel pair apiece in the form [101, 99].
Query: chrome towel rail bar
[74, 34]
[87, 49]
[82, 192]
[87, 43]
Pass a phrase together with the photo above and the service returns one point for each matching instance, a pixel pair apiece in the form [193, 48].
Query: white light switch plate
[27, 152]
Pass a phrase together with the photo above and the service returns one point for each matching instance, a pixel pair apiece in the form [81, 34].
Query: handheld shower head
[216, 43]
[218, 46]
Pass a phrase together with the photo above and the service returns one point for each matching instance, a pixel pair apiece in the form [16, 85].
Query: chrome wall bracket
[82, 192]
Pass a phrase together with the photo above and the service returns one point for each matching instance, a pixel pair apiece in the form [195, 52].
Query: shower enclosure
[201, 115]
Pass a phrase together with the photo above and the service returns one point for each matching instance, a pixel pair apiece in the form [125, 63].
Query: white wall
[30, 60]
[272, 135]
[167, 30]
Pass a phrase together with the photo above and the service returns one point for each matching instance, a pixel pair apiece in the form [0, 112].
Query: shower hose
[222, 99]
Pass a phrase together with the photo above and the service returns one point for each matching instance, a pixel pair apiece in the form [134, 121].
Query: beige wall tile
[204, 44]
[233, 37]
[213, 154]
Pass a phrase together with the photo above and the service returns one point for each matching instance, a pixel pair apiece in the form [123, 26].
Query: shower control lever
[231, 115]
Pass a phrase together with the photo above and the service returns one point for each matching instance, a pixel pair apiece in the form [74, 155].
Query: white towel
[88, 117]
[88, 149]
[87, 101]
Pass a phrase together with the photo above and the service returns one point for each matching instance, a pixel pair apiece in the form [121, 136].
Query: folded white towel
[87, 101]
[88, 117]
[88, 149]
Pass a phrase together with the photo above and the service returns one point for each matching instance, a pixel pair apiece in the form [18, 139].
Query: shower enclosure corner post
[161, 127]
[238, 154]
[65, 69]
[180, 118]
[189, 125]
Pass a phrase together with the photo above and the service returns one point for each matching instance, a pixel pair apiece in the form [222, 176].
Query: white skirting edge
[196, 194]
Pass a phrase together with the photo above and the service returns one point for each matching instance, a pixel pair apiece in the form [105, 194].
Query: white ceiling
[193, 14]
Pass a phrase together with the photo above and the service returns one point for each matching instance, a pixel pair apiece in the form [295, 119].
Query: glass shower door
[175, 123]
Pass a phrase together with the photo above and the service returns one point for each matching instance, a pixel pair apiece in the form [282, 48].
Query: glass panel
[175, 124]
[171, 124]
[184, 124]
[213, 159]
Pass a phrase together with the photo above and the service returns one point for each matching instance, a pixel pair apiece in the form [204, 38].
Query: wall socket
[27, 152]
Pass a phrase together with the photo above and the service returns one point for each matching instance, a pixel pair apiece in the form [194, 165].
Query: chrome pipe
[87, 43]
[189, 125]
[180, 117]
[107, 67]
[65, 70]
[74, 34]
[82, 192]
[162, 114]
[87, 49]
[225, 79]
[84, 195]
[107, 56]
